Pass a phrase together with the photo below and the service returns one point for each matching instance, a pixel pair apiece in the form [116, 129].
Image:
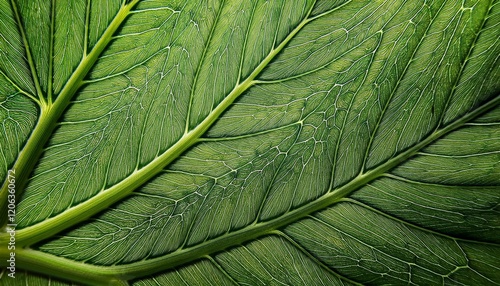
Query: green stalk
[54, 266]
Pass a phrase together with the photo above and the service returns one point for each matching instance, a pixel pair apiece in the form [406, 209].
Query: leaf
[250, 142]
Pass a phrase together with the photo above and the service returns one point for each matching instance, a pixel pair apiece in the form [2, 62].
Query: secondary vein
[26, 45]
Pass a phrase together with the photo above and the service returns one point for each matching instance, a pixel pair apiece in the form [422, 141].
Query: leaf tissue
[212, 142]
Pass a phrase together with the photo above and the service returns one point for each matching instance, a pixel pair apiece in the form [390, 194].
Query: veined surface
[251, 142]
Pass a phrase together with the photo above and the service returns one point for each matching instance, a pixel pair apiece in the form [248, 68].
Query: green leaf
[250, 142]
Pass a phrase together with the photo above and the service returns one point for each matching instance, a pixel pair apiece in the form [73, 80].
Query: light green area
[251, 142]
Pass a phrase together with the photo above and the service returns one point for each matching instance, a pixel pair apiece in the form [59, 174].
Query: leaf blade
[301, 151]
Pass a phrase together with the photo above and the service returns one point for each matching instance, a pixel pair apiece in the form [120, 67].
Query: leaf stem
[52, 265]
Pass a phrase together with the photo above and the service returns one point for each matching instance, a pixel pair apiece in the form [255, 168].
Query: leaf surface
[251, 142]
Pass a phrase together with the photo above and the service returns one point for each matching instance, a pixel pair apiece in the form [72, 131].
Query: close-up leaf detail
[266, 142]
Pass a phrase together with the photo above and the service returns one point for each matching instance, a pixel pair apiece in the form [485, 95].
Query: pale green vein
[191, 225]
[267, 131]
[322, 66]
[398, 178]
[31, 63]
[483, 124]
[316, 260]
[188, 173]
[221, 269]
[340, 137]
[152, 196]
[245, 41]
[87, 32]
[273, 180]
[181, 277]
[198, 68]
[337, 144]
[50, 78]
[156, 281]
[464, 63]
[303, 74]
[141, 139]
[19, 89]
[254, 257]
[412, 225]
[372, 247]
[123, 72]
[395, 88]
[459, 156]
[280, 20]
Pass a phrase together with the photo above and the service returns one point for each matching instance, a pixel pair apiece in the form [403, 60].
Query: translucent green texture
[251, 142]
